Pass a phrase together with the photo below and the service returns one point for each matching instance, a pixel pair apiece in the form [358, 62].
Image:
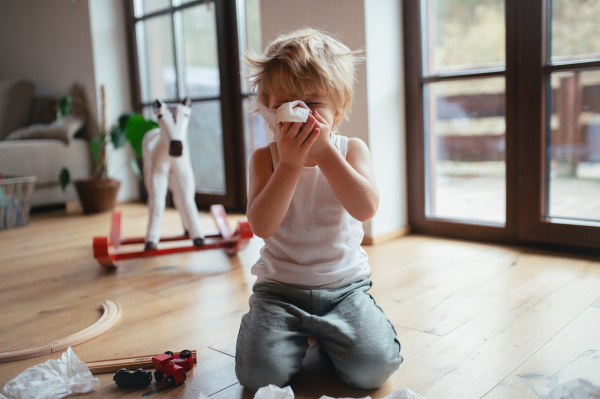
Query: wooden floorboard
[572, 353]
[474, 320]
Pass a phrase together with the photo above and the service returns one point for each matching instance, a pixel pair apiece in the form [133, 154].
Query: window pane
[156, 59]
[575, 30]
[200, 47]
[255, 134]
[465, 152]
[144, 7]
[206, 146]
[464, 34]
[250, 36]
[574, 169]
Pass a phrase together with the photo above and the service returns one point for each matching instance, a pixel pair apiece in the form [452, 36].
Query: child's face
[325, 106]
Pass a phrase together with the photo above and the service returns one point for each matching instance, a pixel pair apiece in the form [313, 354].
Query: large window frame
[527, 72]
[231, 96]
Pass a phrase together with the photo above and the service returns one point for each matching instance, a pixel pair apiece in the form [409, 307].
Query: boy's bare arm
[271, 191]
[351, 179]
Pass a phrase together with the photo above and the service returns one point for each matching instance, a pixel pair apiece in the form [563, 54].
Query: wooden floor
[474, 320]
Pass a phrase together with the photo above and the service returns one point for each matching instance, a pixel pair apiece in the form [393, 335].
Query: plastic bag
[56, 378]
[579, 388]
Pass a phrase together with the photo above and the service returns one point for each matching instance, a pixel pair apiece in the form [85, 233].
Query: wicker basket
[97, 195]
[15, 200]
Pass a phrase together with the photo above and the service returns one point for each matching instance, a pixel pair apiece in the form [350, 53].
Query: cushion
[15, 103]
[63, 130]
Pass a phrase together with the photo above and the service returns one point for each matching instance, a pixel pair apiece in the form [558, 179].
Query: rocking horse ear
[187, 101]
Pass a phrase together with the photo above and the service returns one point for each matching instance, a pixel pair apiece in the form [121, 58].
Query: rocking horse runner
[167, 162]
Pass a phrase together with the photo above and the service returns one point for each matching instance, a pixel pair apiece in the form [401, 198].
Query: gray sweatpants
[347, 323]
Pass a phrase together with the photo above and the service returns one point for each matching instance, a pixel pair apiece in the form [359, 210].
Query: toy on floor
[183, 359]
[132, 378]
[135, 362]
[167, 163]
[105, 248]
[166, 366]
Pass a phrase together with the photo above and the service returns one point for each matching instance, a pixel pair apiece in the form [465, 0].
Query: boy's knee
[259, 373]
[371, 370]
[369, 375]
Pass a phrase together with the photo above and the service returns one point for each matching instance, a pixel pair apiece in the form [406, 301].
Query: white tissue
[55, 378]
[579, 388]
[402, 393]
[295, 111]
[274, 392]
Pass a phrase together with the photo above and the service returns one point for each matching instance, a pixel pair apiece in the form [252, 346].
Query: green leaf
[118, 136]
[137, 127]
[95, 146]
[64, 178]
[118, 133]
[64, 106]
[136, 169]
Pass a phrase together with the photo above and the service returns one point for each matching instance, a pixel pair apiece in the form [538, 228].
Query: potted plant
[136, 127]
[98, 193]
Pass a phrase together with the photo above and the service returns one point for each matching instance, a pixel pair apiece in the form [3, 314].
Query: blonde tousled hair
[305, 62]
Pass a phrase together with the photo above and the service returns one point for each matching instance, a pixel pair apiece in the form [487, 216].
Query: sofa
[33, 143]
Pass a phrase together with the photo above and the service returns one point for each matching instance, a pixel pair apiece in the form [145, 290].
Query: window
[505, 96]
[184, 48]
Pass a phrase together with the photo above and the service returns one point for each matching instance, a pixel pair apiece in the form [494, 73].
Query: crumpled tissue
[274, 392]
[56, 378]
[579, 388]
[295, 111]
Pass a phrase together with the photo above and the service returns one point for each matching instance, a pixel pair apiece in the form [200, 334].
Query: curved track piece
[112, 313]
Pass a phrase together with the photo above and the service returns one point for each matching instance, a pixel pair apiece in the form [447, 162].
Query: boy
[309, 192]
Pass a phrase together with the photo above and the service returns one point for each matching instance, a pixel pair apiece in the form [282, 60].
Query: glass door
[461, 124]
[186, 48]
[503, 126]
[562, 194]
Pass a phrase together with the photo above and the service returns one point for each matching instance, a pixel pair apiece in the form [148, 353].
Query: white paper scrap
[402, 393]
[56, 378]
[579, 388]
[274, 392]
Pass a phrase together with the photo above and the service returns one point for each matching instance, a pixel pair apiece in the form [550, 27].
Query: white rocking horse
[167, 163]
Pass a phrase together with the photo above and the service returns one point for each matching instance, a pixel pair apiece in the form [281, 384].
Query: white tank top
[317, 245]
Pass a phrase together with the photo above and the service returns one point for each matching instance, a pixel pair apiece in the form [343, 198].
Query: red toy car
[183, 359]
[166, 364]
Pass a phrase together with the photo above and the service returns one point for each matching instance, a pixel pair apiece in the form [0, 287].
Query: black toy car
[132, 378]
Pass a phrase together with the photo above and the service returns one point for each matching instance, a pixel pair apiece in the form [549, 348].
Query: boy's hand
[296, 140]
[323, 142]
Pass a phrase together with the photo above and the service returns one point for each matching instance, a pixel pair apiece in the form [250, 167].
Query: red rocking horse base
[105, 248]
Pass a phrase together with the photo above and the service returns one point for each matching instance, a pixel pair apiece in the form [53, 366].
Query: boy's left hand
[323, 142]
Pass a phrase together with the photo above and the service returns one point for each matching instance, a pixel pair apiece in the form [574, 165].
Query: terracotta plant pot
[97, 195]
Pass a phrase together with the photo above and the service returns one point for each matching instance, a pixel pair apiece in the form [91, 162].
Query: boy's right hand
[295, 141]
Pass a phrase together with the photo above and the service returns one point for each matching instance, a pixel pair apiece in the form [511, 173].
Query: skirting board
[368, 240]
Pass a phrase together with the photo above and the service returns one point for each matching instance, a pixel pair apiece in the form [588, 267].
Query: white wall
[56, 43]
[378, 110]
[385, 99]
[111, 69]
[48, 42]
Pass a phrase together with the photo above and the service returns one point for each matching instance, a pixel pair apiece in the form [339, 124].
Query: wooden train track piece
[112, 313]
[106, 248]
[130, 363]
